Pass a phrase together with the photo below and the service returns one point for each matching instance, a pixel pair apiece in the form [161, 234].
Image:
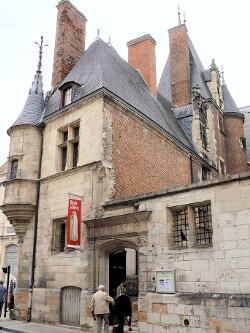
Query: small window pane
[76, 132]
[65, 136]
[75, 154]
[64, 158]
[14, 166]
[62, 237]
[67, 96]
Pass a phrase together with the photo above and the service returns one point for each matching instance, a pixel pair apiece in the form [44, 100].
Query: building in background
[111, 177]
[246, 111]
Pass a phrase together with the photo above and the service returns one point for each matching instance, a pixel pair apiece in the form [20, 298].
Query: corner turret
[25, 157]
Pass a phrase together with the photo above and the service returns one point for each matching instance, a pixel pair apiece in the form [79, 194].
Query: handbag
[114, 329]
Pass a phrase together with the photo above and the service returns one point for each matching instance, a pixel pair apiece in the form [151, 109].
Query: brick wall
[141, 55]
[143, 161]
[70, 41]
[236, 156]
[179, 65]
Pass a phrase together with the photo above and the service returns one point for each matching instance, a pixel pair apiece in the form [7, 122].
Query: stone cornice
[118, 219]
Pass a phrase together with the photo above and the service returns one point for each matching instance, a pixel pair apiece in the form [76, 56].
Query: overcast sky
[218, 29]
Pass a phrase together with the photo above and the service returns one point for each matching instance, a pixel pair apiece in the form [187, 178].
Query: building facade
[154, 169]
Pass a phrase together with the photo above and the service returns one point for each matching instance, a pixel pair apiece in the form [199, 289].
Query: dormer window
[67, 93]
[67, 96]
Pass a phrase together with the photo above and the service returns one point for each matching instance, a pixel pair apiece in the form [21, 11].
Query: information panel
[165, 281]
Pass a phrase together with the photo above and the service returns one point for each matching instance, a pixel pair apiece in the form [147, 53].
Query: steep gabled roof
[101, 67]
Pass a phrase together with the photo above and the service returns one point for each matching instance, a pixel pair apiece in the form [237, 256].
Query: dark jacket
[123, 306]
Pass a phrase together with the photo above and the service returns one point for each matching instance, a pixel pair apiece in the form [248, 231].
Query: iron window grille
[203, 224]
[180, 227]
[191, 225]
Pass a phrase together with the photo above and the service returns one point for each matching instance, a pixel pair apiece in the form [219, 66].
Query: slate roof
[101, 68]
[229, 103]
[33, 109]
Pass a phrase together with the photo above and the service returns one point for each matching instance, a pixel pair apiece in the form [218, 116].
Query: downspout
[33, 265]
[191, 169]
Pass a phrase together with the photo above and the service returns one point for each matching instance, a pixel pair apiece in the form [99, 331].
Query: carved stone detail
[19, 216]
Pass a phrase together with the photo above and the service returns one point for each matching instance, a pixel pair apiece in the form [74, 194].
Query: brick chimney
[141, 55]
[70, 40]
[179, 65]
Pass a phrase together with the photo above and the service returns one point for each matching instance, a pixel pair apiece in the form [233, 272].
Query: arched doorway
[123, 265]
[117, 270]
[70, 308]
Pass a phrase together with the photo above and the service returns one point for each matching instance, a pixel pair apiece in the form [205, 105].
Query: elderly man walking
[100, 308]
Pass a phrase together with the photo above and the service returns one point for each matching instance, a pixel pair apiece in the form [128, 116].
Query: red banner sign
[74, 223]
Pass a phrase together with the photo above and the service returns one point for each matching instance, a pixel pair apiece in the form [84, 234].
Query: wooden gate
[71, 297]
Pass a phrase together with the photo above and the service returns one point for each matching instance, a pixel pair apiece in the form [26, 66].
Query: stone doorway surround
[112, 232]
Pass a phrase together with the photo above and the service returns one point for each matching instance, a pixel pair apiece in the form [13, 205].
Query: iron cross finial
[39, 65]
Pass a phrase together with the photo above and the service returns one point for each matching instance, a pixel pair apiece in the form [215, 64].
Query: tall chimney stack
[141, 55]
[179, 65]
[70, 40]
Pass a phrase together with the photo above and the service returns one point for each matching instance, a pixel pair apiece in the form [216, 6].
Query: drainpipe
[191, 169]
[41, 127]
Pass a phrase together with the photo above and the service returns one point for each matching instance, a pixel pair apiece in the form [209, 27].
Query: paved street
[16, 326]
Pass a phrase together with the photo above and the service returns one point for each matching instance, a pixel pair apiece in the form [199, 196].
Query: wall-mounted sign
[74, 222]
[165, 281]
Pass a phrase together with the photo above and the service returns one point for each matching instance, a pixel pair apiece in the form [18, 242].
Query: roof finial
[39, 65]
[184, 18]
[179, 15]
[222, 75]
[109, 42]
[98, 34]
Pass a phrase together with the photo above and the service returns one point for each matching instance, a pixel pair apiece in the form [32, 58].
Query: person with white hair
[100, 308]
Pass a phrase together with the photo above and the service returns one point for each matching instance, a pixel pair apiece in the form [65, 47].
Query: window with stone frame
[59, 235]
[68, 138]
[14, 168]
[205, 173]
[191, 225]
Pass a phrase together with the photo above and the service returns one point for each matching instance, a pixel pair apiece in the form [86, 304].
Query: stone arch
[103, 250]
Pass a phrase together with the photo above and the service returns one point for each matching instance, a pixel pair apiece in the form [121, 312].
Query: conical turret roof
[33, 109]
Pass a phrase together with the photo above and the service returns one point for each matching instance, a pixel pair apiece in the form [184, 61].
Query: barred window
[203, 225]
[180, 227]
[191, 225]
